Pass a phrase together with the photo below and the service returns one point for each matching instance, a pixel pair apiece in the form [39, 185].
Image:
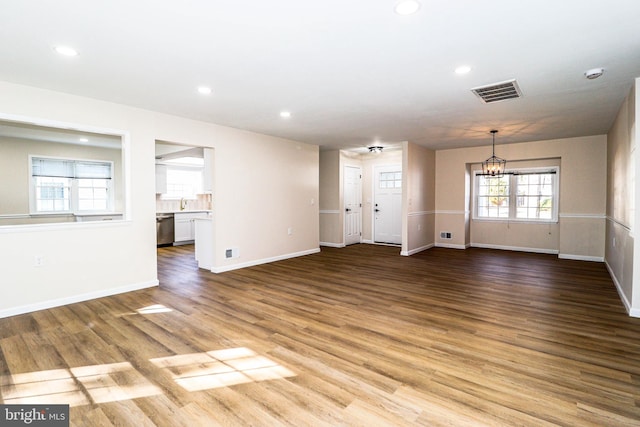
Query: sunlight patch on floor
[153, 309]
[56, 386]
[150, 309]
[114, 382]
[103, 383]
[220, 368]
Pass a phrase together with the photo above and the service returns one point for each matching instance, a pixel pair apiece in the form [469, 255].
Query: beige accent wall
[529, 236]
[419, 198]
[331, 218]
[582, 196]
[418, 165]
[263, 186]
[622, 165]
[14, 171]
[332, 164]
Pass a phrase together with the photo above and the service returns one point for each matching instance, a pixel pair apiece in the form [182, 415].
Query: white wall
[262, 186]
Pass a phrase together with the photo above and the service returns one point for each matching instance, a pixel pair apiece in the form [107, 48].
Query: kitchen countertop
[185, 211]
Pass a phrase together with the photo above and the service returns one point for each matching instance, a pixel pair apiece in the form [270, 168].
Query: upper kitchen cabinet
[161, 179]
[207, 175]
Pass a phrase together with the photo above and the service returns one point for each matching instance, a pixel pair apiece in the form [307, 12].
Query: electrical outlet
[290, 231]
[419, 227]
[38, 261]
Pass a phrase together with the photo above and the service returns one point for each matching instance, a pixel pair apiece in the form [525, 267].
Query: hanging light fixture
[375, 149]
[494, 166]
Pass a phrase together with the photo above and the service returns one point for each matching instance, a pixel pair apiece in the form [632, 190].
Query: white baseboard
[263, 261]
[450, 246]
[633, 312]
[29, 308]
[416, 250]
[516, 248]
[369, 242]
[581, 257]
[332, 245]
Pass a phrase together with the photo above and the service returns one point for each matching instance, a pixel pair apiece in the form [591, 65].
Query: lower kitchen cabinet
[184, 226]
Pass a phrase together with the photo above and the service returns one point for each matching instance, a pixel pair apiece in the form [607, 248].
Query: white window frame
[199, 188]
[513, 197]
[73, 196]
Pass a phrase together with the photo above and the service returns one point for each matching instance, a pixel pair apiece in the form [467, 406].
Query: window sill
[518, 221]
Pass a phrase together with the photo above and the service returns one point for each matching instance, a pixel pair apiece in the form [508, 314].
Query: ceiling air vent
[498, 91]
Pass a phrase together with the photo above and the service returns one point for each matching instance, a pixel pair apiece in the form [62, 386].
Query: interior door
[352, 195]
[387, 210]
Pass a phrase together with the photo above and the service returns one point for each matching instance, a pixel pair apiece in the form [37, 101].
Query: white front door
[352, 205]
[387, 209]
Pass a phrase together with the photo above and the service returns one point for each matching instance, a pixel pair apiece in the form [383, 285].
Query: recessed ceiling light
[66, 50]
[204, 90]
[407, 7]
[285, 114]
[463, 69]
[84, 139]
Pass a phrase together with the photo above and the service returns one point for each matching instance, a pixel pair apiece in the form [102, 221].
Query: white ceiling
[350, 72]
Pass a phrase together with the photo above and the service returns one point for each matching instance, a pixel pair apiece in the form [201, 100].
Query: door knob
[348, 210]
[377, 210]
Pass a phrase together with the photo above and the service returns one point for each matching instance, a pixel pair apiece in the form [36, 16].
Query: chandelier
[494, 166]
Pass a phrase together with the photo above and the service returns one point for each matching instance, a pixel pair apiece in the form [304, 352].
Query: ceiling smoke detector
[594, 73]
[498, 91]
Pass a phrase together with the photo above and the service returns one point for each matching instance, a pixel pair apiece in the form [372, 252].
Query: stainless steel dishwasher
[164, 229]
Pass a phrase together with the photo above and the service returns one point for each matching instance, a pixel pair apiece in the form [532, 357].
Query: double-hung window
[70, 186]
[519, 195]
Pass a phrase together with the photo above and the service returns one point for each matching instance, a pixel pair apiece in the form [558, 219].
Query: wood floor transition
[358, 336]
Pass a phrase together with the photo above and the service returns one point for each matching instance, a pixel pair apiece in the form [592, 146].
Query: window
[52, 194]
[390, 180]
[71, 186]
[183, 182]
[525, 195]
[493, 197]
[534, 196]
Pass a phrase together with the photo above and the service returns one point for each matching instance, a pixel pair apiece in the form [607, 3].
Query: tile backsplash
[202, 203]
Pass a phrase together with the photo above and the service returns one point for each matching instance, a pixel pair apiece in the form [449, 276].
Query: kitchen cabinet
[161, 179]
[184, 226]
[207, 171]
[204, 242]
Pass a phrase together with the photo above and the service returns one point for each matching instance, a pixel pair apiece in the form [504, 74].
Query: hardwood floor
[358, 336]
